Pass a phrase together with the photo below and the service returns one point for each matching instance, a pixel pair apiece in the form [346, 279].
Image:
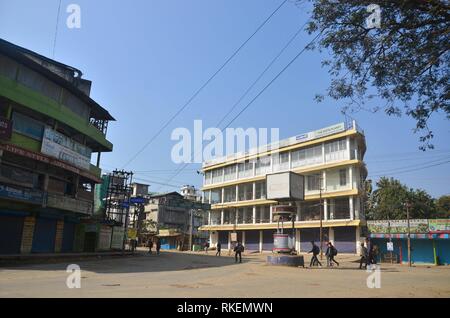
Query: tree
[388, 201]
[443, 206]
[400, 65]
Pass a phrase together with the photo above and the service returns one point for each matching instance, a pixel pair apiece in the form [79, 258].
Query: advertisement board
[398, 226]
[439, 225]
[285, 185]
[104, 238]
[59, 146]
[117, 237]
[22, 194]
[5, 128]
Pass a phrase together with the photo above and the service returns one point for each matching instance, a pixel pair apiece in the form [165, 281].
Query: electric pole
[408, 205]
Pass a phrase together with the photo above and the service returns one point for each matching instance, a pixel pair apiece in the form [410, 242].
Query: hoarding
[5, 128]
[22, 194]
[285, 185]
[59, 146]
[398, 226]
[439, 225]
[117, 237]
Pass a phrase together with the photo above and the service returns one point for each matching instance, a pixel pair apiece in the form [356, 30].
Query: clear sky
[147, 57]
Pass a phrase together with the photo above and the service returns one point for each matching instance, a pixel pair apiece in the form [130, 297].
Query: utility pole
[408, 205]
[321, 217]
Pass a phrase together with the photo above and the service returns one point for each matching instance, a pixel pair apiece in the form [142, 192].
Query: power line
[250, 88]
[411, 170]
[410, 166]
[263, 90]
[203, 86]
[56, 30]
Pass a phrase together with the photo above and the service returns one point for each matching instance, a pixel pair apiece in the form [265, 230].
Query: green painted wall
[44, 105]
[25, 142]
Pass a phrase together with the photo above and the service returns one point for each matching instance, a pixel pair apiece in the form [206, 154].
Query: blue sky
[147, 57]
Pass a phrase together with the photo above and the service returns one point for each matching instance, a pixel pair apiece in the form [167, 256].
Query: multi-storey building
[331, 160]
[49, 129]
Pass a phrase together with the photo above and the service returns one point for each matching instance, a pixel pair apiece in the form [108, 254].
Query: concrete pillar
[348, 156]
[236, 199]
[222, 200]
[323, 152]
[260, 241]
[209, 217]
[352, 214]
[59, 235]
[358, 240]
[229, 240]
[297, 240]
[331, 234]
[350, 177]
[243, 238]
[325, 209]
[254, 214]
[356, 207]
[332, 209]
[271, 215]
[27, 234]
[236, 215]
[254, 190]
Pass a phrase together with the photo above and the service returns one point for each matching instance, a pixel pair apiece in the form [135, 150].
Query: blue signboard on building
[15, 193]
[137, 200]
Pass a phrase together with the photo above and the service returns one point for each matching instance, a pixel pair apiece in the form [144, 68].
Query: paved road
[175, 274]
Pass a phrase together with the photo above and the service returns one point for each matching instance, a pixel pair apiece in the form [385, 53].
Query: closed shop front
[44, 235]
[345, 239]
[223, 238]
[268, 240]
[68, 237]
[10, 233]
[252, 240]
[308, 235]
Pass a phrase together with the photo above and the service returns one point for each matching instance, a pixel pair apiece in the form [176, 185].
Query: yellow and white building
[331, 159]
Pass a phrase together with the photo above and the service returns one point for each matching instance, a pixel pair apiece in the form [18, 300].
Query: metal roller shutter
[252, 240]
[345, 239]
[44, 236]
[11, 228]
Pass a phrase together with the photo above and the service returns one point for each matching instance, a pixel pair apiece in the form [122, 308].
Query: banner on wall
[59, 146]
[398, 226]
[439, 225]
[117, 237]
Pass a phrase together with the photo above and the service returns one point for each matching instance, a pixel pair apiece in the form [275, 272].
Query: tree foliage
[443, 206]
[389, 199]
[401, 67]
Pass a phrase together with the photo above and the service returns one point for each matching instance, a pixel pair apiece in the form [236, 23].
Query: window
[208, 177]
[336, 150]
[343, 177]
[313, 182]
[27, 126]
[307, 156]
[217, 175]
[216, 196]
[245, 192]
[230, 194]
[281, 161]
[263, 165]
[245, 169]
[230, 173]
[260, 190]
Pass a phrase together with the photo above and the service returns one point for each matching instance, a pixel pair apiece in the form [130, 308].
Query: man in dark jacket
[218, 247]
[331, 253]
[150, 246]
[315, 250]
[364, 257]
[238, 249]
[158, 246]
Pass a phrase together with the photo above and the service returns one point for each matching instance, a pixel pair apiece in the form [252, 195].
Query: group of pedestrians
[238, 249]
[368, 255]
[330, 254]
[150, 246]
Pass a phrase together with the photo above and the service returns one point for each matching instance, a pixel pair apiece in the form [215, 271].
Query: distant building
[171, 213]
[189, 192]
[139, 189]
[331, 160]
[49, 128]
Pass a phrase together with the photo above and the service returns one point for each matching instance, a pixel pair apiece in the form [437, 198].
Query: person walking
[206, 247]
[331, 253]
[315, 251]
[218, 247]
[238, 249]
[373, 254]
[158, 246]
[150, 246]
[364, 256]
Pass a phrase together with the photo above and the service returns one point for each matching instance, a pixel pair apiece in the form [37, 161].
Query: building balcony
[62, 202]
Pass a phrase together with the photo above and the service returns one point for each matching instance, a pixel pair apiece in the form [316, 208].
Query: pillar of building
[243, 238]
[350, 204]
[356, 207]
[325, 209]
[350, 177]
[229, 240]
[271, 214]
[331, 234]
[297, 240]
[27, 234]
[59, 235]
[254, 215]
[221, 216]
[358, 240]
[260, 241]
